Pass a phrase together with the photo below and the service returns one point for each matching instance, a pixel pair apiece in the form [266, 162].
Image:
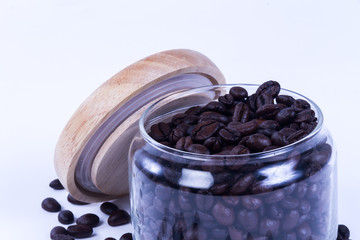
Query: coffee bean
[251, 203]
[223, 214]
[264, 99]
[269, 226]
[204, 201]
[51, 205]
[285, 99]
[248, 219]
[74, 201]
[270, 87]
[178, 132]
[242, 129]
[108, 207]
[257, 142]
[109, 238]
[62, 237]
[160, 131]
[238, 93]
[215, 116]
[89, 219]
[58, 230]
[213, 144]
[343, 232]
[303, 231]
[307, 115]
[205, 130]
[290, 220]
[126, 236]
[80, 231]
[276, 212]
[241, 113]
[118, 218]
[56, 184]
[300, 105]
[198, 148]
[268, 111]
[243, 184]
[66, 217]
[229, 136]
[215, 107]
[193, 111]
[227, 99]
[286, 116]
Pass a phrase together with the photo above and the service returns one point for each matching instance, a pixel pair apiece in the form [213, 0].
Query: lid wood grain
[91, 153]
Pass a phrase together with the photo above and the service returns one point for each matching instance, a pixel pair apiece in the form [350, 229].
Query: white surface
[53, 54]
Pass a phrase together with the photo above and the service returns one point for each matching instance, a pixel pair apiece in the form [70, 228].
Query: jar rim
[206, 157]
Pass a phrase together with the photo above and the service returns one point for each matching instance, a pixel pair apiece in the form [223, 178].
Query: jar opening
[167, 105]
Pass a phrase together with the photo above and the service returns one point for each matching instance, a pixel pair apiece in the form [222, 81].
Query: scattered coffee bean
[89, 219]
[126, 236]
[74, 201]
[108, 207]
[343, 232]
[62, 237]
[109, 238]
[58, 230]
[56, 184]
[80, 231]
[51, 205]
[66, 217]
[118, 218]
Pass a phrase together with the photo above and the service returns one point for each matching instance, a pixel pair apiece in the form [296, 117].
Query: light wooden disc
[91, 155]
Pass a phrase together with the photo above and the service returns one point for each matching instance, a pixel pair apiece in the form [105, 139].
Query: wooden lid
[91, 153]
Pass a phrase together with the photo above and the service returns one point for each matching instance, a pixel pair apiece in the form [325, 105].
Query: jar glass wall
[286, 193]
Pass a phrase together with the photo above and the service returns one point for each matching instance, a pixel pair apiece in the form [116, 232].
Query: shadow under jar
[287, 193]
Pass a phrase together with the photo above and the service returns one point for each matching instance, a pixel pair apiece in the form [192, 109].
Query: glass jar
[286, 193]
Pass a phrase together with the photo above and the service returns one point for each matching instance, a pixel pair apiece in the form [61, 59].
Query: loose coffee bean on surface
[126, 236]
[109, 238]
[343, 232]
[89, 219]
[80, 231]
[66, 217]
[108, 207]
[56, 184]
[62, 237]
[51, 205]
[118, 218]
[58, 230]
[74, 201]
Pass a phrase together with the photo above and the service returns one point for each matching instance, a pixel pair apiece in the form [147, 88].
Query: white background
[54, 53]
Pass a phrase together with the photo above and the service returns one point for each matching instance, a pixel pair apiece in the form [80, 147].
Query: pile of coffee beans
[230, 194]
[84, 225]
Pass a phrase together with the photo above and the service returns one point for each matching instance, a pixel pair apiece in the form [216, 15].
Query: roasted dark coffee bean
[213, 144]
[274, 197]
[343, 232]
[178, 132]
[303, 231]
[238, 93]
[178, 118]
[229, 136]
[164, 193]
[118, 218]
[251, 203]
[191, 119]
[290, 202]
[214, 116]
[205, 130]
[80, 231]
[300, 105]
[285, 99]
[126, 236]
[66, 217]
[264, 99]
[296, 136]
[290, 220]
[108, 207]
[269, 226]
[227, 99]
[160, 132]
[279, 139]
[269, 124]
[51, 205]
[89, 219]
[62, 237]
[307, 115]
[268, 111]
[270, 87]
[56, 184]
[215, 107]
[183, 143]
[194, 111]
[241, 113]
[248, 219]
[243, 129]
[109, 238]
[223, 214]
[275, 212]
[257, 142]
[204, 201]
[198, 148]
[287, 131]
[242, 184]
[286, 116]
[74, 201]
[58, 230]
